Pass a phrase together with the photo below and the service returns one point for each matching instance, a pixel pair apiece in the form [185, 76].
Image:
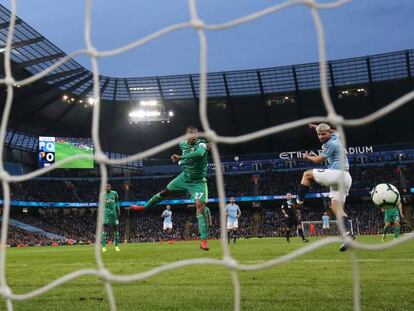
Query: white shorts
[325, 226]
[167, 225]
[232, 223]
[330, 178]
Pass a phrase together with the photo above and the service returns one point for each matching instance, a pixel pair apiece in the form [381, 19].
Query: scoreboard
[47, 149]
[56, 149]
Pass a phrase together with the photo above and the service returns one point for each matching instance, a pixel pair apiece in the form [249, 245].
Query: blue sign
[173, 202]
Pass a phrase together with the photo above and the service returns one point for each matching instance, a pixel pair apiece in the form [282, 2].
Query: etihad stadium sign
[299, 154]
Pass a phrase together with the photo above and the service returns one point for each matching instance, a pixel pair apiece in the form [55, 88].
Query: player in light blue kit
[331, 152]
[233, 214]
[325, 223]
[167, 225]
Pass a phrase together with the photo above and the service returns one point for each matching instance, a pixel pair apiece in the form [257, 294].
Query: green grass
[66, 150]
[321, 280]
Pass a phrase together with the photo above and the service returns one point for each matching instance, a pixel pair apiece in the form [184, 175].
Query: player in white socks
[233, 214]
[325, 223]
[331, 152]
[167, 225]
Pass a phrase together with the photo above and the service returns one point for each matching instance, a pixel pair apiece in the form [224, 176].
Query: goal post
[333, 228]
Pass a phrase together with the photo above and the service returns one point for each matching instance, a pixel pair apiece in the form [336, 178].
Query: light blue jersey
[232, 210]
[325, 220]
[167, 214]
[331, 152]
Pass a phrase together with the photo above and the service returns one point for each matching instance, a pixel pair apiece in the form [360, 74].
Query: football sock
[385, 231]
[104, 238]
[301, 234]
[346, 223]
[287, 234]
[202, 225]
[396, 231]
[117, 238]
[302, 191]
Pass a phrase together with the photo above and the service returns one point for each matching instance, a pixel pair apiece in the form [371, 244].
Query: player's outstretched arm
[195, 154]
[315, 159]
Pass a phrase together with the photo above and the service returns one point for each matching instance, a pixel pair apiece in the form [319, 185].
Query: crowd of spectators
[18, 238]
[266, 183]
[147, 227]
[262, 222]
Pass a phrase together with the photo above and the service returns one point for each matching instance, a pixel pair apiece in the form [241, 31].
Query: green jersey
[391, 215]
[194, 160]
[393, 211]
[111, 204]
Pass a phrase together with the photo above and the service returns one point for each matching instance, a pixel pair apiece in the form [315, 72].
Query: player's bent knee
[308, 175]
[200, 206]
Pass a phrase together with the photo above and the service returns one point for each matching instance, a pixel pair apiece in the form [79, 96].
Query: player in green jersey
[193, 179]
[392, 216]
[111, 217]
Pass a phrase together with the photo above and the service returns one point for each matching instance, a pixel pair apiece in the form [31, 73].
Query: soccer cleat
[204, 245]
[103, 249]
[383, 238]
[305, 241]
[117, 249]
[136, 208]
[344, 247]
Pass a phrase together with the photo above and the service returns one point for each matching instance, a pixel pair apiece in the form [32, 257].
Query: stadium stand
[78, 226]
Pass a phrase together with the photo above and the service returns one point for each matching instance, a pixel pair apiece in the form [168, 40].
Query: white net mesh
[227, 261]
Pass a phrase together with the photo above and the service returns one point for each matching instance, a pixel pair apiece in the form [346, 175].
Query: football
[385, 196]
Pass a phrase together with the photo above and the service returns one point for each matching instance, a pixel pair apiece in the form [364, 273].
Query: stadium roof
[40, 104]
[33, 52]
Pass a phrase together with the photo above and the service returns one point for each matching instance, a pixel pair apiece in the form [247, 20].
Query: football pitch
[64, 150]
[321, 280]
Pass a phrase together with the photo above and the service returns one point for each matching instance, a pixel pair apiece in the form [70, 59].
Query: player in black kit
[292, 218]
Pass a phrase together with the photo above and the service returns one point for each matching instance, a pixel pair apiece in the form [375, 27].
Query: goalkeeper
[193, 179]
[111, 217]
[392, 216]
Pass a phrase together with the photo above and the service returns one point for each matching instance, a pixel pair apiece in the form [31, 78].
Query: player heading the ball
[193, 179]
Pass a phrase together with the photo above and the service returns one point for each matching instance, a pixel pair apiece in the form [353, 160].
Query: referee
[292, 215]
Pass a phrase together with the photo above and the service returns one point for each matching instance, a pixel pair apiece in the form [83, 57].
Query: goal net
[316, 228]
[227, 261]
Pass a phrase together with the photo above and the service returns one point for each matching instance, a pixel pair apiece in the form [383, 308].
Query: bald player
[329, 177]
